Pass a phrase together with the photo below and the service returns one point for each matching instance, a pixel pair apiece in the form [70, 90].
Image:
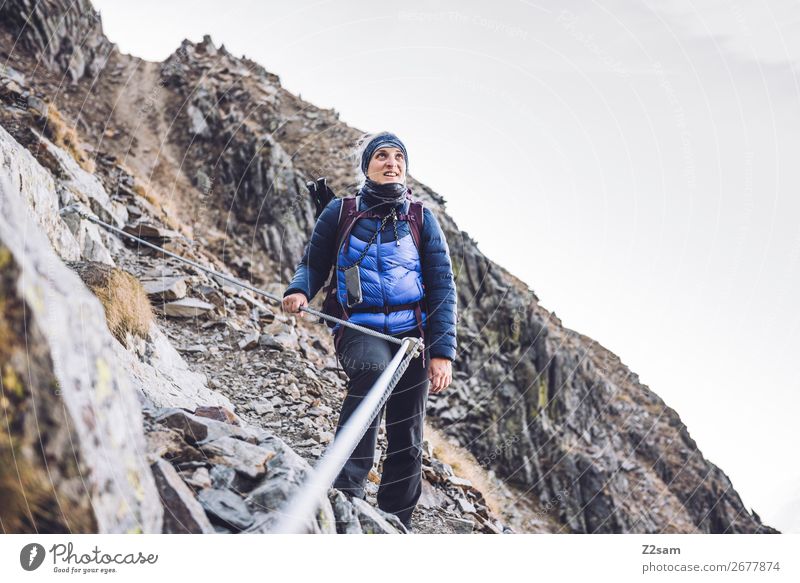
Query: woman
[404, 291]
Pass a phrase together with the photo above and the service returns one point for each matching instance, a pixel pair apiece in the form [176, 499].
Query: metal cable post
[300, 509]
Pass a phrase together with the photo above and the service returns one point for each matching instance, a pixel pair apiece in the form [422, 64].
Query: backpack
[348, 215]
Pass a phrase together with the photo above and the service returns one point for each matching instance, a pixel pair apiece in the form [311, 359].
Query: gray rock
[167, 288]
[199, 127]
[38, 105]
[285, 473]
[89, 236]
[249, 342]
[320, 410]
[324, 518]
[195, 349]
[263, 407]
[184, 308]
[144, 229]
[35, 186]
[77, 185]
[67, 37]
[171, 445]
[183, 513]
[293, 392]
[442, 468]
[223, 477]
[465, 505]
[11, 73]
[283, 479]
[460, 525]
[459, 482]
[250, 460]
[394, 521]
[431, 496]
[164, 378]
[344, 513]
[375, 521]
[199, 430]
[233, 288]
[200, 478]
[71, 387]
[227, 508]
[268, 341]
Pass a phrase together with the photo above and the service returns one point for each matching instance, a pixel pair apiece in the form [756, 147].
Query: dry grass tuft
[64, 136]
[464, 465]
[125, 302]
[147, 194]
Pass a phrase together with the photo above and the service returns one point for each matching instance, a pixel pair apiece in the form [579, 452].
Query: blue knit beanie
[382, 140]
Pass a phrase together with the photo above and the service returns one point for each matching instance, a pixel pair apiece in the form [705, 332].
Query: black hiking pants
[364, 358]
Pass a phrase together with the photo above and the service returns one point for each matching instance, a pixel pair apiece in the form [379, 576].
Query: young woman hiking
[404, 288]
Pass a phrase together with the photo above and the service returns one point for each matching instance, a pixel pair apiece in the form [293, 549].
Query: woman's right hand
[293, 302]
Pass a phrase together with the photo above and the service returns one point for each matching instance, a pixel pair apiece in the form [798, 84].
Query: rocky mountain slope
[207, 155]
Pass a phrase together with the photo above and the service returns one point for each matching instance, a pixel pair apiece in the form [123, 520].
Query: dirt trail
[142, 107]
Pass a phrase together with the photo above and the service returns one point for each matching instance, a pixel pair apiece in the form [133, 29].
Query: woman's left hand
[440, 373]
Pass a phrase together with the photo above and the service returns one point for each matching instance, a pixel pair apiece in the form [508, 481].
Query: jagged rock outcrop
[26, 176]
[227, 112]
[76, 424]
[66, 35]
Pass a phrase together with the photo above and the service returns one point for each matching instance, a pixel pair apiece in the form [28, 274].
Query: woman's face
[387, 165]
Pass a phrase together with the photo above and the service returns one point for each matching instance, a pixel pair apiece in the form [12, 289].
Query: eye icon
[31, 556]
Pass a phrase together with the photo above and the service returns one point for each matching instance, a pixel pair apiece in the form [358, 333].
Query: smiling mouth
[391, 174]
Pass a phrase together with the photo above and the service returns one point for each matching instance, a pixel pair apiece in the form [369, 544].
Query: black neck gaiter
[379, 194]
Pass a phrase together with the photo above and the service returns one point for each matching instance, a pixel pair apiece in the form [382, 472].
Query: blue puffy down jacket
[390, 274]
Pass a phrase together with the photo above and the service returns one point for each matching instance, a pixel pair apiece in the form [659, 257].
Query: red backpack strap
[416, 216]
[347, 218]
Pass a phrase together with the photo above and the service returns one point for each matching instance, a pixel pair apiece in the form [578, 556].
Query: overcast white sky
[636, 163]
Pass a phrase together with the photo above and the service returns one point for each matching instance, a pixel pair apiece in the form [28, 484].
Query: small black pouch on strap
[352, 281]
